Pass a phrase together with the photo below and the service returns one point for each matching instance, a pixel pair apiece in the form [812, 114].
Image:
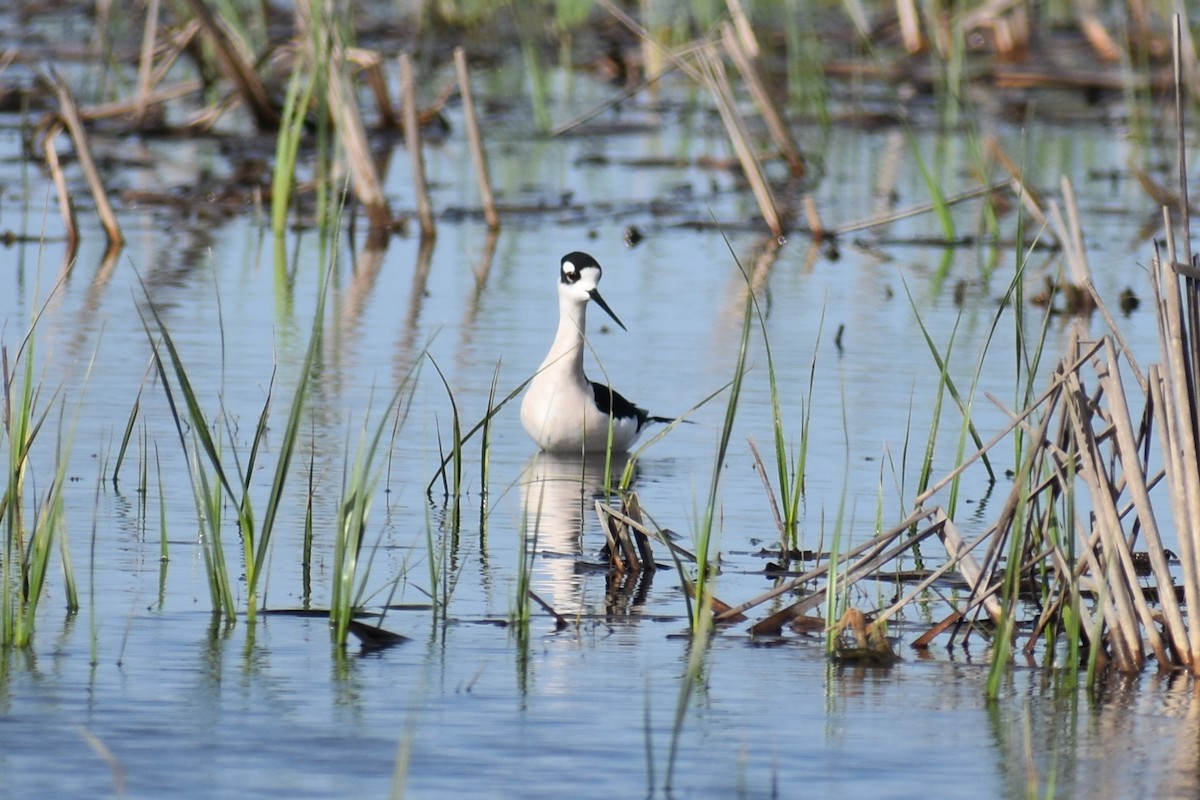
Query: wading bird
[563, 411]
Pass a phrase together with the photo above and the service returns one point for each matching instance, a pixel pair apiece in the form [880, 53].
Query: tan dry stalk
[910, 26]
[1097, 35]
[65, 207]
[958, 552]
[475, 140]
[1170, 396]
[371, 63]
[146, 61]
[874, 544]
[762, 99]
[812, 216]
[1116, 569]
[353, 135]
[638, 525]
[761, 469]
[237, 67]
[68, 112]
[1135, 479]
[741, 23]
[718, 83]
[121, 108]
[913, 211]
[412, 140]
[1077, 254]
[870, 563]
[1050, 391]
[1029, 198]
[658, 51]
[1180, 137]
[1125, 350]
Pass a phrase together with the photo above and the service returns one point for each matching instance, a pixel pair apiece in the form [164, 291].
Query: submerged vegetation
[1076, 569]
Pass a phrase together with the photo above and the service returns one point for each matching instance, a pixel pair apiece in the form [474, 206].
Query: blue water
[171, 703]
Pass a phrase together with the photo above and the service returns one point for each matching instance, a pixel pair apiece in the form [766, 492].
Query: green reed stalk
[789, 468]
[129, 423]
[287, 146]
[701, 609]
[358, 489]
[29, 542]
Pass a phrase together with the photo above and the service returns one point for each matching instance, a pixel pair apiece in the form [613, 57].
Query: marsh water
[143, 693]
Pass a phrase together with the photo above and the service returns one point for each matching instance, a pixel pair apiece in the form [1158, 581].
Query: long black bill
[595, 295]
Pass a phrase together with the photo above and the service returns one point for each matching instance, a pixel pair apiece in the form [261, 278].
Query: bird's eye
[570, 274]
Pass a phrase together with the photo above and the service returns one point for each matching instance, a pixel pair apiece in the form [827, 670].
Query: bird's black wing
[611, 402]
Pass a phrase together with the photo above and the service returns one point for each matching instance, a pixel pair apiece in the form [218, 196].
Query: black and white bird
[563, 411]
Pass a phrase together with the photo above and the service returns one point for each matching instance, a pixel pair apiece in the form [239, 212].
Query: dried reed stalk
[812, 216]
[412, 140]
[741, 23]
[371, 63]
[65, 207]
[237, 67]
[121, 108]
[1028, 196]
[1123, 604]
[1177, 431]
[68, 112]
[718, 84]
[819, 572]
[910, 26]
[924, 208]
[1135, 479]
[146, 61]
[658, 51]
[475, 139]
[353, 135]
[762, 99]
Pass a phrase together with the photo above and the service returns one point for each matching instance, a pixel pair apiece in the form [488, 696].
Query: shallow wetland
[530, 667]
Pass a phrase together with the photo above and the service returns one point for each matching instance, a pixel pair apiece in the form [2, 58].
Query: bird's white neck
[566, 354]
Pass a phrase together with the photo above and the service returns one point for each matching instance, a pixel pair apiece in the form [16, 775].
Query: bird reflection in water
[558, 496]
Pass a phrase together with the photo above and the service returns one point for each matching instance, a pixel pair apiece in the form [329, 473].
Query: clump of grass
[30, 538]
[359, 486]
[217, 476]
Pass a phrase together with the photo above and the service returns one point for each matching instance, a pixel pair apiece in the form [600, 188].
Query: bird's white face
[579, 280]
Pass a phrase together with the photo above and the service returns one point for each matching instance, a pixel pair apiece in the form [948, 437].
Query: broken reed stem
[718, 84]
[746, 37]
[412, 140]
[915, 210]
[1179, 439]
[476, 141]
[1054, 387]
[882, 540]
[1124, 603]
[353, 136]
[909, 20]
[146, 61]
[371, 64]
[68, 112]
[65, 207]
[237, 67]
[1135, 479]
[776, 126]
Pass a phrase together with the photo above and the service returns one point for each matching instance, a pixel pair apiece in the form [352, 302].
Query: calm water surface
[177, 705]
